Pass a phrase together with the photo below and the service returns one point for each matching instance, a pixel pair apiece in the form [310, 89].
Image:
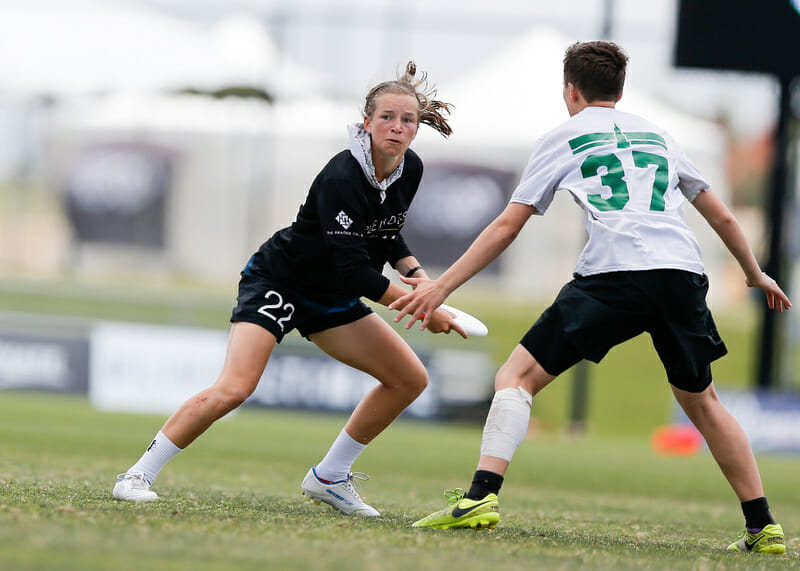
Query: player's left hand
[776, 299]
[444, 322]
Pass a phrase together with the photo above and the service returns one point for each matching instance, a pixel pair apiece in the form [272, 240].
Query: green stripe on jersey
[591, 140]
[646, 139]
[584, 142]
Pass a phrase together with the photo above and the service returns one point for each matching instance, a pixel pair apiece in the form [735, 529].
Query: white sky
[351, 44]
[356, 42]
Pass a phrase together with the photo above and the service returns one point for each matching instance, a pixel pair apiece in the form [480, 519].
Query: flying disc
[471, 325]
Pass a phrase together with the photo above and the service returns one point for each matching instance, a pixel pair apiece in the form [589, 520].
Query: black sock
[756, 514]
[484, 482]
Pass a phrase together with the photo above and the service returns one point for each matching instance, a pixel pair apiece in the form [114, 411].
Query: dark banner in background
[454, 203]
[44, 362]
[762, 36]
[117, 192]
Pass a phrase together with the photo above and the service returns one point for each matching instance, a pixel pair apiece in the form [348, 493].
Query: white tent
[501, 108]
[508, 100]
[66, 47]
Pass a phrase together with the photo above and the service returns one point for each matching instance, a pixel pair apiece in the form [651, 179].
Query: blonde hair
[431, 110]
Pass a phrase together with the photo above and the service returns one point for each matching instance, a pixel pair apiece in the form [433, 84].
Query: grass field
[232, 500]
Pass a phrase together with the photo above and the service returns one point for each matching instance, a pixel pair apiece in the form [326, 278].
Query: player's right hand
[421, 303]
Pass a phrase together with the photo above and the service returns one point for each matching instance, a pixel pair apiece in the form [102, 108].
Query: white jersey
[630, 178]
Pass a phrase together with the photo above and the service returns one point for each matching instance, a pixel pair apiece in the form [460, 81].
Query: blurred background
[148, 147]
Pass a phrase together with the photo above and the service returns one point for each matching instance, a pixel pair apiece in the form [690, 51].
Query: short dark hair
[596, 69]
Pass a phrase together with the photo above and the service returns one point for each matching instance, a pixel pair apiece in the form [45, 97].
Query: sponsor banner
[154, 369]
[46, 362]
[454, 203]
[297, 377]
[771, 420]
[151, 369]
[116, 193]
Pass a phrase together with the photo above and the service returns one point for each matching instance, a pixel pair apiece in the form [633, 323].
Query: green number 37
[614, 179]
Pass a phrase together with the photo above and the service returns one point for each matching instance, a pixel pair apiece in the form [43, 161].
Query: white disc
[472, 325]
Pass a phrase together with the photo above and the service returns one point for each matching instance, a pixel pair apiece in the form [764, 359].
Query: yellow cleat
[462, 512]
[768, 540]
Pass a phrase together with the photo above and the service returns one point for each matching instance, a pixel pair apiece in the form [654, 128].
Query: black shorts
[278, 309]
[593, 314]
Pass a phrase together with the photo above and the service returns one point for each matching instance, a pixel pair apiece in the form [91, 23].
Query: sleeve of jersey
[690, 180]
[540, 178]
[397, 250]
[342, 218]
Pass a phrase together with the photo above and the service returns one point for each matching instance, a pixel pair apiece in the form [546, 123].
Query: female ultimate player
[641, 270]
[311, 276]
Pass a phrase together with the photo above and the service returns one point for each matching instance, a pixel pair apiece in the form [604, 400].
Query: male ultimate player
[641, 270]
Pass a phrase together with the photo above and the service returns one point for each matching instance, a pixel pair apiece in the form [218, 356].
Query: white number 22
[275, 301]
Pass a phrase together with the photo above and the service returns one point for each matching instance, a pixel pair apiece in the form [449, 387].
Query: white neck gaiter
[361, 149]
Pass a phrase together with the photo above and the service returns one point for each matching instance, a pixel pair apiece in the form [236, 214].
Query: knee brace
[507, 423]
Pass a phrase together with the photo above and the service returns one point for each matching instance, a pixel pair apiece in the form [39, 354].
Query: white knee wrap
[506, 423]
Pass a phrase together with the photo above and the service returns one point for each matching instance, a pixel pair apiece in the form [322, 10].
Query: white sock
[507, 423]
[340, 457]
[160, 451]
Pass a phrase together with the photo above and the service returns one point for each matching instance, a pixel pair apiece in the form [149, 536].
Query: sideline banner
[154, 369]
[771, 420]
[44, 362]
[297, 377]
[150, 368]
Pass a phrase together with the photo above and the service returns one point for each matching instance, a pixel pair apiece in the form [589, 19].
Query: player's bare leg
[731, 449]
[521, 369]
[249, 349]
[506, 426]
[726, 440]
[372, 346]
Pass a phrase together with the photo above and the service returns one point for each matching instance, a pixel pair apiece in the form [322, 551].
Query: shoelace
[353, 479]
[741, 540]
[453, 496]
[138, 481]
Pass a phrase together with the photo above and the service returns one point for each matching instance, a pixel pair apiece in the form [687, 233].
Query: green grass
[232, 499]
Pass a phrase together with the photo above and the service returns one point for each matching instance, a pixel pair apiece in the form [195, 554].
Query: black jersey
[343, 235]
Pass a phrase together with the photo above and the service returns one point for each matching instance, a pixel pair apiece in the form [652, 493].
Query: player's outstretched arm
[442, 322]
[428, 295]
[724, 223]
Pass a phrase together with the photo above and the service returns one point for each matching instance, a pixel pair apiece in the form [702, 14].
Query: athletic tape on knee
[507, 423]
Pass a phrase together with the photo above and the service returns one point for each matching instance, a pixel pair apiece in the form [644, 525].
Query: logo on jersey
[344, 219]
[393, 223]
